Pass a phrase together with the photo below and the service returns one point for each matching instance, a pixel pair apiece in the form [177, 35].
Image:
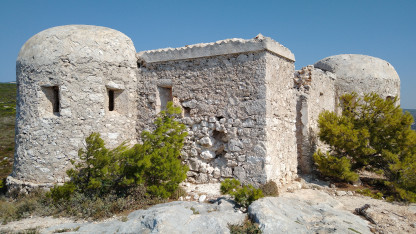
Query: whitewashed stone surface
[248, 113]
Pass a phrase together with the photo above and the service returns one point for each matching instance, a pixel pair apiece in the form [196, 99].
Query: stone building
[249, 114]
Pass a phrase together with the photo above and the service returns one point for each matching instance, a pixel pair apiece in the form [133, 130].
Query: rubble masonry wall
[46, 140]
[224, 99]
[316, 92]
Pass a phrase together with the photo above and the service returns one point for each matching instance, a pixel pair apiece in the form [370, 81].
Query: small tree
[371, 133]
[98, 170]
[156, 163]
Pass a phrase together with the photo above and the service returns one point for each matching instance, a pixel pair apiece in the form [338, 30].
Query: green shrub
[243, 195]
[229, 185]
[374, 133]
[163, 146]
[96, 173]
[335, 167]
[155, 163]
[62, 192]
[99, 170]
[247, 194]
[3, 187]
[400, 193]
[367, 192]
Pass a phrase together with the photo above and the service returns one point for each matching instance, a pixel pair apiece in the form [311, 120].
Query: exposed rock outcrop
[293, 215]
[174, 217]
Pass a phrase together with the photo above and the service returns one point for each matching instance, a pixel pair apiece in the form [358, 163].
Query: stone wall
[316, 92]
[48, 138]
[223, 100]
[281, 152]
[238, 104]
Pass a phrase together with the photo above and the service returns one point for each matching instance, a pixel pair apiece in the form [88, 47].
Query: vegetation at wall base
[155, 163]
[244, 195]
[370, 134]
[335, 167]
[104, 182]
[40, 203]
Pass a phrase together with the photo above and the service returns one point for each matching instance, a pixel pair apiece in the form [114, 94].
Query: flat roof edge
[223, 47]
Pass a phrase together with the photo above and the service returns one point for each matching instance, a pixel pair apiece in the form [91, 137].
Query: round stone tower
[362, 74]
[72, 80]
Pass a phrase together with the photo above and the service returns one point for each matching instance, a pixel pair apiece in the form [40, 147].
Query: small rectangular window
[55, 99]
[51, 103]
[111, 100]
[164, 95]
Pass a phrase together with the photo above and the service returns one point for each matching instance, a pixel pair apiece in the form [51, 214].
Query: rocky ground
[308, 207]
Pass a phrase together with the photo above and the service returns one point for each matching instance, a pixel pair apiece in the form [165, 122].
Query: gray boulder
[173, 217]
[292, 215]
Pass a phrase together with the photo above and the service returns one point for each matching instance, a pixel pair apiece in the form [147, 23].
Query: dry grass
[247, 227]
[39, 203]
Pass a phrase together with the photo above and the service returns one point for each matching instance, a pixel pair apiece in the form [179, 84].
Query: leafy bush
[367, 192]
[104, 182]
[155, 163]
[243, 195]
[229, 185]
[370, 133]
[62, 192]
[336, 167]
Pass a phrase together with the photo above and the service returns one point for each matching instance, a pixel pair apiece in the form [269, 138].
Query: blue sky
[312, 30]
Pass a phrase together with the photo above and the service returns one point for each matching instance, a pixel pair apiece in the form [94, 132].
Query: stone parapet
[223, 47]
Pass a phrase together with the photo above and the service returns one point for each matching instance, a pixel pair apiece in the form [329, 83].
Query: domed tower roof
[78, 44]
[362, 74]
[73, 80]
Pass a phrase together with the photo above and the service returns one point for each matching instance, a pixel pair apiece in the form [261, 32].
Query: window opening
[51, 103]
[164, 96]
[187, 111]
[55, 99]
[111, 100]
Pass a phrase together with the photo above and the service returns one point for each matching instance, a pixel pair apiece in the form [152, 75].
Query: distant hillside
[7, 118]
[413, 112]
